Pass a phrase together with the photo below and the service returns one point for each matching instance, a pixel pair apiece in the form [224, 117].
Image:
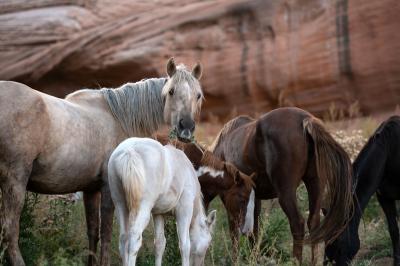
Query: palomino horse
[376, 170]
[219, 178]
[147, 178]
[284, 147]
[50, 145]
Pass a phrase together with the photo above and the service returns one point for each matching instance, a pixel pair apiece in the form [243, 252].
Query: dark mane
[209, 159]
[232, 124]
[382, 136]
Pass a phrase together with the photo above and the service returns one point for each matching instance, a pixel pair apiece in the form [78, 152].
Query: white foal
[147, 178]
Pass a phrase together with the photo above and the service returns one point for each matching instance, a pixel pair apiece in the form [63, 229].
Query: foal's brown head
[234, 187]
[239, 199]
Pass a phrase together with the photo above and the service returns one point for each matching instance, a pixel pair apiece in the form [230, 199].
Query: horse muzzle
[185, 129]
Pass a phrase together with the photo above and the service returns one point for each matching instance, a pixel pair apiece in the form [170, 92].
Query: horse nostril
[181, 124]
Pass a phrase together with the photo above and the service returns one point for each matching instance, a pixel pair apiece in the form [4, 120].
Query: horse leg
[13, 187]
[137, 225]
[107, 214]
[91, 201]
[257, 210]
[123, 215]
[184, 214]
[314, 204]
[287, 200]
[159, 240]
[389, 207]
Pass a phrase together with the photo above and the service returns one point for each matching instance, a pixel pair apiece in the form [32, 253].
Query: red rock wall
[257, 55]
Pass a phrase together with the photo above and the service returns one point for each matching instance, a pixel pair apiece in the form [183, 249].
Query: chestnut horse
[284, 147]
[219, 178]
[54, 146]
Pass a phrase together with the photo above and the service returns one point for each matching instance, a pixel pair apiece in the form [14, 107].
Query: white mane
[139, 107]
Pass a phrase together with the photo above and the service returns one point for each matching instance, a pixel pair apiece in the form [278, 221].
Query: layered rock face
[257, 55]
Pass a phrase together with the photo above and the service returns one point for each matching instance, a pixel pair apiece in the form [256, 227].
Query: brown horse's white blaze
[248, 225]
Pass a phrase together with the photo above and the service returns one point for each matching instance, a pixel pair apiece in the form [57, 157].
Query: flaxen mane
[139, 107]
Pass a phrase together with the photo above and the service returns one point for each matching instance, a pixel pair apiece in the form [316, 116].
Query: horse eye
[198, 96]
[171, 91]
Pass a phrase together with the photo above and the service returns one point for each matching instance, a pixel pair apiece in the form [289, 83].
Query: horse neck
[368, 168]
[199, 216]
[139, 107]
[214, 172]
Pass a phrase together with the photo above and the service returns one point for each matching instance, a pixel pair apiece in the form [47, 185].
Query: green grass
[53, 232]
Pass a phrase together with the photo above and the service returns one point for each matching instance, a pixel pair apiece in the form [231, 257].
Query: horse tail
[132, 174]
[335, 173]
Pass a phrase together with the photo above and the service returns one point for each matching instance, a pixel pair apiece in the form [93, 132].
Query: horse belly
[52, 178]
[166, 202]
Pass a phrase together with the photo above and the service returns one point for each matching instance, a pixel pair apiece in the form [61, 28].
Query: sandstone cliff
[257, 55]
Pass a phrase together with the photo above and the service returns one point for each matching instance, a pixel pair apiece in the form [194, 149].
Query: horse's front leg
[257, 210]
[184, 213]
[159, 240]
[107, 214]
[389, 207]
[91, 201]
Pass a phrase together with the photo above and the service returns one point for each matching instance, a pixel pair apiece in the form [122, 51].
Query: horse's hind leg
[107, 214]
[314, 203]
[159, 240]
[91, 201]
[288, 202]
[13, 187]
[389, 207]
[137, 224]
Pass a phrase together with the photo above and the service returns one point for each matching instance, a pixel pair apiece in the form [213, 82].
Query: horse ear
[211, 219]
[197, 71]
[238, 178]
[171, 67]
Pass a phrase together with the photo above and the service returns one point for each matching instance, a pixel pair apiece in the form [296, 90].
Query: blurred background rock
[257, 55]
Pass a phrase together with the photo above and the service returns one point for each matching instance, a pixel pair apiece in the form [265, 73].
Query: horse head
[239, 199]
[183, 96]
[342, 250]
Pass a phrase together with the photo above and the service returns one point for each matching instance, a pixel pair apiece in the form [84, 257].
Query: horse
[376, 170]
[147, 179]
[284, 147]
[55, 146]
[219, 178]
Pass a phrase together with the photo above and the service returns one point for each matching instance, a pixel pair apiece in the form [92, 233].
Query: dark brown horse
[219, 178]
[284, 147]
